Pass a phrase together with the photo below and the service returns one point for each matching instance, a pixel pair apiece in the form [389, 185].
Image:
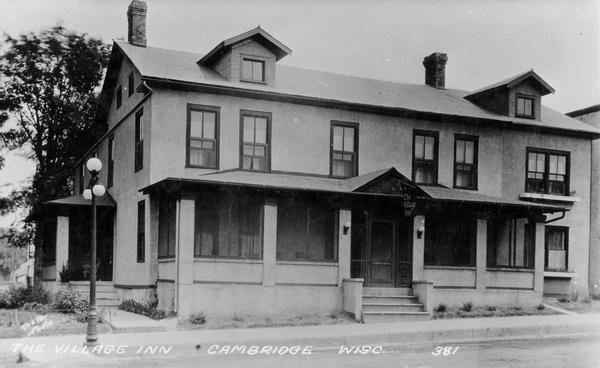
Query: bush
[16, 297]
[70, 301]
[491, 308]
[467, 306]
[517, 308]
[149, 309]
[441, 308]
[35, 307]
[198, 318]
[541, 306]
[564, 299]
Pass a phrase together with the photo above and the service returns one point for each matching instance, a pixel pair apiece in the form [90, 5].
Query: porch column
[481, 254]
[62, 244]
[152, 230]
[418, 261]
[540, 239]
[270, 242]
[185, 248]
[344, 242]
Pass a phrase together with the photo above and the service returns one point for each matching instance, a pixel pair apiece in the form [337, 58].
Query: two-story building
[239, 185]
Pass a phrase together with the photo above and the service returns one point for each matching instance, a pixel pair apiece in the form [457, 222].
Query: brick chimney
[435, 69]
[136, 23]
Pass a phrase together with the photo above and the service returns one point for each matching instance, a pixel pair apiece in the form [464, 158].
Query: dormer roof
[257, 34]
[540, 84]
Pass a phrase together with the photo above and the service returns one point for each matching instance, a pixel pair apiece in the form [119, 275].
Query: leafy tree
[48, 96]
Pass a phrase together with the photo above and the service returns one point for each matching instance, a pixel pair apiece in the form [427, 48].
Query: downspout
[177, 222]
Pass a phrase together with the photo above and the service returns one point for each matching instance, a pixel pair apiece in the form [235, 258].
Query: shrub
[198, 318]
[541, 306]
[467, 306]
[16, 297]
[587, 300]
[237, 318]
[491, 308]
[441, 308]
[517, 308]
[35, 307]
[564, 299]
[149, 309]
[70, 301]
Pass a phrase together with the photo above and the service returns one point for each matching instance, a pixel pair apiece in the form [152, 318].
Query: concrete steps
[106, 295]
[391, 305]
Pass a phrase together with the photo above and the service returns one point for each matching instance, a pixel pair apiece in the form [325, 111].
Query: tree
[48, 96]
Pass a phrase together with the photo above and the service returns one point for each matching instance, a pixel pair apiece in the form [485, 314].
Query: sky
[486, 41]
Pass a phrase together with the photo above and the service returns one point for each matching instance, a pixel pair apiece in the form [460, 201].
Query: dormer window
[524, 107]
[253, 70]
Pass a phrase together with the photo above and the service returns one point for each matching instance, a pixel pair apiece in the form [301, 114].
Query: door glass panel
[382, 241]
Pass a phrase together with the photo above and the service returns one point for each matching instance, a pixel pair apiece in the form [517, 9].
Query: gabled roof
[543, 87]
[271, 43]
[178, 67]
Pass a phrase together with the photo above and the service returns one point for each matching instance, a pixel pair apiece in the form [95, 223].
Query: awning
[388, 182]
[77, 200]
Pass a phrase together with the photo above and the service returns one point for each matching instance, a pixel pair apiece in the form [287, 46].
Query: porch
[66, 245]
[261, 243]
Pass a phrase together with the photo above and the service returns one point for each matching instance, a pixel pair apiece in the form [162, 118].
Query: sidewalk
[322, 337]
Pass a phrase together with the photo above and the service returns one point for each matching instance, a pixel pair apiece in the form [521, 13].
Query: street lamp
[95, 189]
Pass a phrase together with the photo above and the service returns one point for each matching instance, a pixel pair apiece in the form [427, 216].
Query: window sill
[549, 197]
[509, 269]
[465, 268]
[307, 263]
[559, 274]
[227, 260]
[252, 81]
[165, 260]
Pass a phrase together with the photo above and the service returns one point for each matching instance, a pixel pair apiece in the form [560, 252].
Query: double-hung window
[557, 247]
[255, 141]
[203, 136]
[167, 220]
[141, 232]
[547, 172]
[111, 161]
[524, 107]
[139, 140]
[130, 85]
[465, 162]
[119, 96]
[425, 157]
[344, 149]
[253, 70]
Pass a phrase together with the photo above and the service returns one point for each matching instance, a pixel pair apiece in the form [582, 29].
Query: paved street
[573, 352]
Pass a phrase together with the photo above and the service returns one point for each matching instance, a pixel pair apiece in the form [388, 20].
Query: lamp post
[95, 189]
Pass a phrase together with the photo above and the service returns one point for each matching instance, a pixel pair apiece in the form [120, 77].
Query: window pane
[470, 152]
[562, 165]
[248, 150]
[259, 151]
[429, 146]
[209, 125]
[528, 107]
[520, 106]
[257, 71]
[247, 69]
[541, 167]
[348, 139]
[419, 143]
[338, 143]
[531, 161]
[261, 130]
[196, 124]
[553, 163]
[248, 129]
[460, 151]
[259, 163]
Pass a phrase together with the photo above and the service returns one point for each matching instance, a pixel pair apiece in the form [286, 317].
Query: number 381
[444, 350]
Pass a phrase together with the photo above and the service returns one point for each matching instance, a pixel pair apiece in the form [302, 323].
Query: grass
[491, 311]
[578, 306]
[52, 323]
[279, 320]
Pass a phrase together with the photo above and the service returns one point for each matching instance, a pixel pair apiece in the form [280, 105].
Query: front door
[381, 253]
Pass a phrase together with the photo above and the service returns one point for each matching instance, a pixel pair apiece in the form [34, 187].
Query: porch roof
[77, 200]
[375, 183]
